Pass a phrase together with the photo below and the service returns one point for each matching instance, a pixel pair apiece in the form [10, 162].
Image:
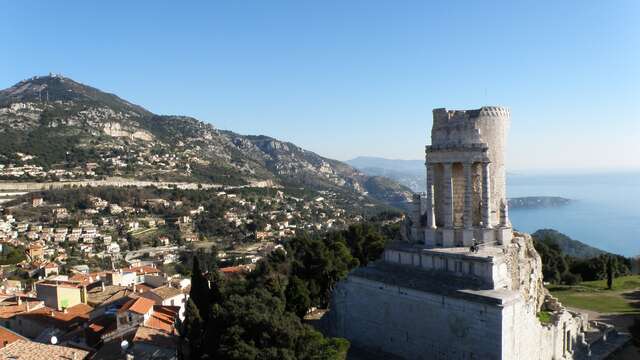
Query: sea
[604, 211]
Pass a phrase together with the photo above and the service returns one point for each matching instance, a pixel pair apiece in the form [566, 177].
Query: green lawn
[594, 295]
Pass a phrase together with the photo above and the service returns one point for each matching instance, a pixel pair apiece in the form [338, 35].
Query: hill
[52, 127]
[410, 173]
[573, 248]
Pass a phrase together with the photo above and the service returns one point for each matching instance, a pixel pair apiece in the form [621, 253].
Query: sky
[350, 78]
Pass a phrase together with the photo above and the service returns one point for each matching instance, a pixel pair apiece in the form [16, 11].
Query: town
[87, 266]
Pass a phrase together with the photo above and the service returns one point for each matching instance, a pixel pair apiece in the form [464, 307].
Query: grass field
[624, 298]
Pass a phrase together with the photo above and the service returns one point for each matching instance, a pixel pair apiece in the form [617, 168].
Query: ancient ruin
[463, 284]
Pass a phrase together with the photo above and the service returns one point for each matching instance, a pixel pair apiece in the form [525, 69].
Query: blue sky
[348, 78]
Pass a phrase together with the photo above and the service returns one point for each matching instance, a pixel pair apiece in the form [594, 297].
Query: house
[153, 338]
[13, 286]
[60, 294]
[37, 201]
[115, 209]
[134, 312]
[121, 278]
[45, 320]
[168, 296]
[49, 269]
[35, 251]
[164, 240]
[113, 248]
[82, 269]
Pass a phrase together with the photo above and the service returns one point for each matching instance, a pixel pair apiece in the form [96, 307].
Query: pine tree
[297, 295]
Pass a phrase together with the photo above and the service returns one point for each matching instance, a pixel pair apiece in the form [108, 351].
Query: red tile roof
[163, 318]
[141, 270]
[7, 337]
[74, 315]
[138, 305]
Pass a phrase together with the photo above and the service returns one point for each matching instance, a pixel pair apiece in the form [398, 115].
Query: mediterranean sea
[604, 211]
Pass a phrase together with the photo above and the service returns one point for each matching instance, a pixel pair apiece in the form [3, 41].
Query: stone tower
[466, 183]
[437, 297]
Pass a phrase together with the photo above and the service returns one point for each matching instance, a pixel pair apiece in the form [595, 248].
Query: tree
[610, 272]
[191, 331]
[365, 242]
[297, 296]
[635, 331]
[200, 291]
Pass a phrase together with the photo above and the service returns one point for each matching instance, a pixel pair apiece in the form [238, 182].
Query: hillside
[410, 173]
[54, 128]
[568, 246]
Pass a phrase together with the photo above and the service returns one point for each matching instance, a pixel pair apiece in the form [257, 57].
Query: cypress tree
[192, 330]
[200, 292]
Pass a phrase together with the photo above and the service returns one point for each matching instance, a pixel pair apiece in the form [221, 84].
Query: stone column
[467, 233]
[486, 196]
[447, 196]
[431, 220]
[430, 231]
[504, 214]
[468, 196]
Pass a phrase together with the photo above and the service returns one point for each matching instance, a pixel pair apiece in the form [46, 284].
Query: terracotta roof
[139, 305]
[9, 310]
[236, 270]
[155, 337]
[31, 350]
[102, 324]
[163, 318]
[74, 315]
[86, 279]
[143, 288]
[166, 292]
[7, 337]
[56, 283]
[111, 293]
[141, 270]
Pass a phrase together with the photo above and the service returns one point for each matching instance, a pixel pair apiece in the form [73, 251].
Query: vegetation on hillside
[261, 316]
[560, 268]
[569, 246]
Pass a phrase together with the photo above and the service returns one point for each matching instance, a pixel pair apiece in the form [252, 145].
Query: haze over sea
[605, 211]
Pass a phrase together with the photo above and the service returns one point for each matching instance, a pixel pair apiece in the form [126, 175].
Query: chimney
[27, 302]
[102, 283]
[20, 300]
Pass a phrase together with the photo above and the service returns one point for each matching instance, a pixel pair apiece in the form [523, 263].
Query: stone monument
[463, 284]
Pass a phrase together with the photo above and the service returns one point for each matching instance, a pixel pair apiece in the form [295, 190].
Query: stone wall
[391, 319]
[414, 324]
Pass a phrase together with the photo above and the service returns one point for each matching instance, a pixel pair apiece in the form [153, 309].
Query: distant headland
[530, 202]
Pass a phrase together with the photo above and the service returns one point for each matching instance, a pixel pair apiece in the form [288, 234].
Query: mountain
[411, 173]
[568, 246]
[57, 124]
